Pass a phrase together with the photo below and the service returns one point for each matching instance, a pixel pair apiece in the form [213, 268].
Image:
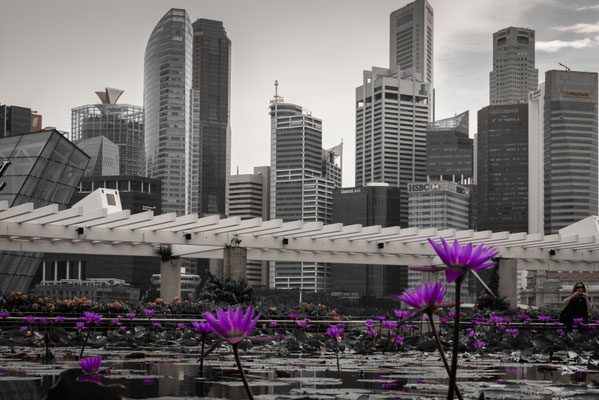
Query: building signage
[579, 94]
[178, 38]
[423, 187]
[352, 190]
[462, 190]
[534, 94]
[3, 167]
[277, 100]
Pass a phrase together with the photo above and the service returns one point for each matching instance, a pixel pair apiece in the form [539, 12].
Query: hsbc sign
[423, 187]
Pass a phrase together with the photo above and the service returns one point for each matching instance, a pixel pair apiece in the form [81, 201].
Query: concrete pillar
[43, 271]
[55, 271]
[79, 271]
[508, 280]
[234, 262]
[68, 268]
[170, 279]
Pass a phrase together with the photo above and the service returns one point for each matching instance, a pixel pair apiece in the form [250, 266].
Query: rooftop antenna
[277, 99]
[566, 67]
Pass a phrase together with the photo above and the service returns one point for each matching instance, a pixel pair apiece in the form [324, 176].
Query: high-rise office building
[16, 120]
[249, 194]
[514, 73]
[249, 197]
[169, 137]
[570, 148]
[299, 190]
[212, 82]
[449, 149]
[439, 204]
[391, 119]
[42, 168]
[502, 185]
[411, 40]
[375, 204]
[121, 124]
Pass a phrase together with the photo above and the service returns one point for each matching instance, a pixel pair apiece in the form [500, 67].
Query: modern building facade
[169, 137]
[449, 149]
[212, 82]
[121, 124]
[250, 194]
[439, 204]
[411, 40]
[570, 148]
[536, 123]
[298, 188]
[42, 168]
[502, 185]
[104, 156]
[249, 197]
[514, 74]
[16, 120]
[392, 114]
[96, 290]
[375, 204]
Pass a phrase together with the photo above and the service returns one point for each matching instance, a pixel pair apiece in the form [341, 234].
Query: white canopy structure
[103, 228]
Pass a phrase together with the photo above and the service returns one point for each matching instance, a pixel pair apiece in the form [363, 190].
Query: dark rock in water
[282, 374]
[26, 389]
[135, 355]
[69, 387]
[427, 345]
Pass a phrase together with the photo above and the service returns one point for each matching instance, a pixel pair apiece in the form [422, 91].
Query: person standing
[577, 306]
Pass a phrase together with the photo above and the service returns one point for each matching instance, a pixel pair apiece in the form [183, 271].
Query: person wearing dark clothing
[577, 306]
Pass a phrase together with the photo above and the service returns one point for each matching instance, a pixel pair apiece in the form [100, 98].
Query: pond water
[175, 373]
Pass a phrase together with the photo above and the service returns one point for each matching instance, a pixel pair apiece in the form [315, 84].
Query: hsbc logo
[423, 187]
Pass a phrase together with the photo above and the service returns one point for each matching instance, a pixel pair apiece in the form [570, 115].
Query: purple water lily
[425, 299]
[24, 329]
[4, 315]
[42, 320]
[149, 313]
[335, 331]
[59, 319]
[544, 318]
[156, 324]
[131, 315]
[91, 317]
[512, 332]
[479, 345]
[232, 326]
[30, 319]
[458, 259]
[91, 364]
[202, 327]
[80, 325]
[181, 325]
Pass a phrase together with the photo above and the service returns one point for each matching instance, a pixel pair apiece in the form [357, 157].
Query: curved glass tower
[167, 111]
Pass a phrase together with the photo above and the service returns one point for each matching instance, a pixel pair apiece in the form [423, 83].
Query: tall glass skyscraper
[212, 81]
[169, 140]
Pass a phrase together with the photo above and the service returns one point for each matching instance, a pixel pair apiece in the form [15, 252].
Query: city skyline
[262, 52]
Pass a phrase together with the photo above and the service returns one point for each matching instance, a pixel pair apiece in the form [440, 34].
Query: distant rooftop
[110, 95]
[458, 123]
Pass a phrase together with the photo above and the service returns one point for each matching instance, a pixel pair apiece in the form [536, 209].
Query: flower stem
[440, 348]
[85, 342]
[456, 337]
[202, 359]
[243, 378]
[337, 353]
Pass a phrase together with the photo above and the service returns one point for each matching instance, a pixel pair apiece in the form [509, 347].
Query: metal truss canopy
[75, 231]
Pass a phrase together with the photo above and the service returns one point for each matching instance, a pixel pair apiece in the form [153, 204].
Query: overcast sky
[55, 54]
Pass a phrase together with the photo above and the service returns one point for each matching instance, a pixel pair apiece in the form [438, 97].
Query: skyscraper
[514, 73]
[502, 186]
[104, 156]
[411, 41]
[212, 82]
[536, 122]
[121, 124]
[299, 188]
[169, 141]
[391, 118]
[570, 148]
[449, 149]
[16, 120]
